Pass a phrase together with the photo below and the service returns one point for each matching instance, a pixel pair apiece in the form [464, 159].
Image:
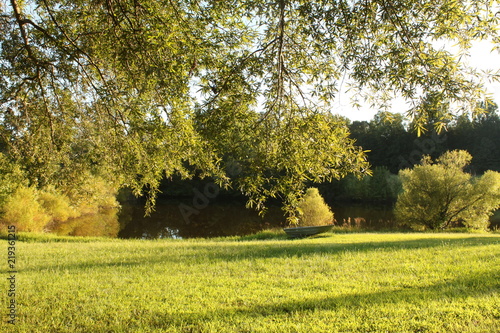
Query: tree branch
[281, 36]
[21, 22]
[235, 68]
[89, 59]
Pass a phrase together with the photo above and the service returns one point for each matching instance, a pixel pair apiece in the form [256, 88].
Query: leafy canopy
[138, 90]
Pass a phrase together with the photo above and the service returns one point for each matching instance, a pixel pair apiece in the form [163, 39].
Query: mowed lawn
[359, 282]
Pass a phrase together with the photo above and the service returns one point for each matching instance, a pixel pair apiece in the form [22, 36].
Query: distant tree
[384, 185]
[385, 138]
[354, 188]
[437, 195]
[391, 143]
[480, 136]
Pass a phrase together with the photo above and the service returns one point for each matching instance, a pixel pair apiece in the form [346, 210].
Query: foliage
[313, 210]
[368, 282]
[93, 193]
[117, 88]
[55, 205]
[37, 210]
[382, 185]
[481, 137]
[24, 210]
[354, 188]
[11, 177]
[314, 147]
[392, 143]
[386, 138]
[439, 195]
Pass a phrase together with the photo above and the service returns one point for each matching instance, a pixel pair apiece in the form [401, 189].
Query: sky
[481, 57]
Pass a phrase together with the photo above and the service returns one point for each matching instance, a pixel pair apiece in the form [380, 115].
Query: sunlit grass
[364, 282]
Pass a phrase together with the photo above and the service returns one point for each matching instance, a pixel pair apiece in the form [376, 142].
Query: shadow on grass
[199, 253]
[302, 249]
[445, 291]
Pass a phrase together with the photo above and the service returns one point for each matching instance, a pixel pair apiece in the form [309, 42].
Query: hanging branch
[21, 22]
[235, 70]
[281, 36]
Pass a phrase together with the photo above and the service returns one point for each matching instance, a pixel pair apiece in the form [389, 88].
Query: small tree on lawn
[437, 195]
[313, 211]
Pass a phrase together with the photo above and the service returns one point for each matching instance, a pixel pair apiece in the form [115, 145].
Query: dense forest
[391, 144]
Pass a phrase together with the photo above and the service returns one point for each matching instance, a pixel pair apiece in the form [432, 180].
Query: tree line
[394, 145]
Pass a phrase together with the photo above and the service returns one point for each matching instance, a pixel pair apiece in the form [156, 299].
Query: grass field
[345, 282]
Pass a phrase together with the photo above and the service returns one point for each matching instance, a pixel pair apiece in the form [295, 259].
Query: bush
[313, 211]
[56, 205]
[441, 195]
[381, 186]
[37, 210]
[23, 210]
[93, 194]
[356, 189]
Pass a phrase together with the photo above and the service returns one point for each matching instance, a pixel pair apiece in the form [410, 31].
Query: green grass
[358, 282]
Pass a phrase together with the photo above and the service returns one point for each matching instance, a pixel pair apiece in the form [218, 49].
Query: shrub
[356, 189]
[313, 210]
[56, 205]
[92, 194]
[36, 210]
[23, 210]
[441, 195]
[383, 185]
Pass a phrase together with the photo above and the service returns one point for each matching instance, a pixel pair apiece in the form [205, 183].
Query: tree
[481, 137]
[107, 87]
[384, 185]
[439, 195]
[11, 177]
[385, 138]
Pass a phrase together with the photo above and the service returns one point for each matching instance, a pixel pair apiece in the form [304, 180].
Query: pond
[182, 219]
[179, 219]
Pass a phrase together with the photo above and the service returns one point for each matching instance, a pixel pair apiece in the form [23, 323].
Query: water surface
[184, 218]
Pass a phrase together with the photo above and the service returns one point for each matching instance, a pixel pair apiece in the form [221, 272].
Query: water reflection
[233, 219]
[228, 218]
[365, 216]
[103, 224]
[215, 220]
